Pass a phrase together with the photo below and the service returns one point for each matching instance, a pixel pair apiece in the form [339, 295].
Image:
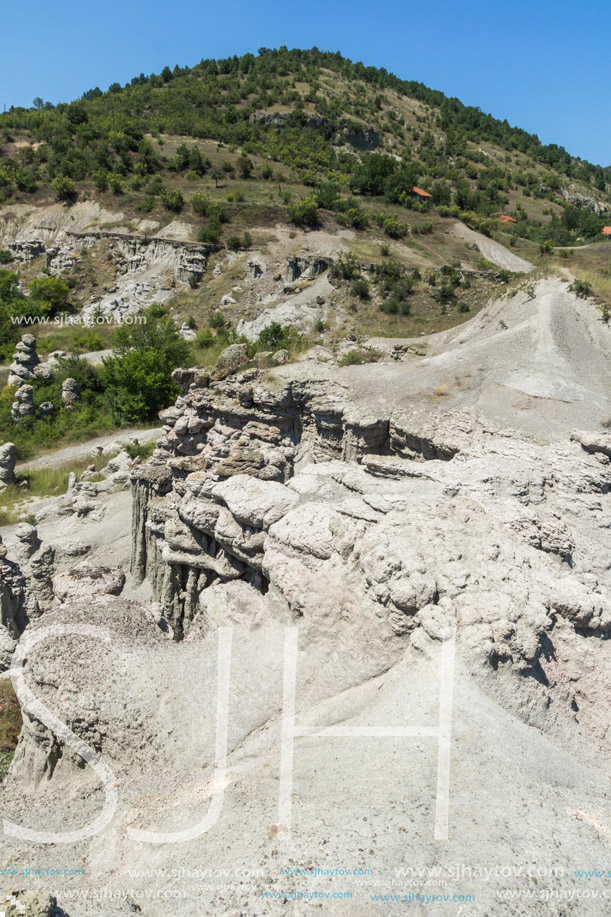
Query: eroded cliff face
[332, 513]
[225, 472]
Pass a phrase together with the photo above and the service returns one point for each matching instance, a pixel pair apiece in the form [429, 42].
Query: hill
[295, 191]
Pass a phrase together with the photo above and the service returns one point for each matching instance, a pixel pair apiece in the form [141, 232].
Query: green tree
[50, 291]
[137, 377]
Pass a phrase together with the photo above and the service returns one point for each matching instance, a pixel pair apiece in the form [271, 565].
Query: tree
[137, 377]
[245, 166]
[50, 291]
[217, 175]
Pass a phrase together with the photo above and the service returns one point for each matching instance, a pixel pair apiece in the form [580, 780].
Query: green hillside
[354, 135]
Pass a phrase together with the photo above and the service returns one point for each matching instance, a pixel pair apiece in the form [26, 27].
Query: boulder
[280, 357]
[229, 361]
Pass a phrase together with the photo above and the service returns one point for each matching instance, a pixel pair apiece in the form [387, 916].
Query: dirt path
[493, 251]
[83, 450]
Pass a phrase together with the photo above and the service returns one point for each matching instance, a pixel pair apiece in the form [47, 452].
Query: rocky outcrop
[147, 269]
[26, 250]
[321, 506]
[230, 438]
[281, 119]
[305, 268]
[25, 361]
[360, 136]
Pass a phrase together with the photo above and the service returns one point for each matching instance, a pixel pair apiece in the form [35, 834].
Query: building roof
[420, 192]
[607, 230]
[503, 218]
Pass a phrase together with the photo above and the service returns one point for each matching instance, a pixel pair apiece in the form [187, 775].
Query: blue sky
[541, 65]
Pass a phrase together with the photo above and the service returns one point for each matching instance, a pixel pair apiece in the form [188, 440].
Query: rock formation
[374, 515]
[18, 606]
[8, 455]
[25, 360]
[70, 393]
[23, 405]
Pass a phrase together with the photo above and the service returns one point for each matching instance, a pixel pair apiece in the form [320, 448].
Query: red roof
[503, 218]
[420, 192]
[607, 230]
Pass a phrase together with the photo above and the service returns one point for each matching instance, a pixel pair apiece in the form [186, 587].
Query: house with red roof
[607, 231]
[504, 218]
[422, 196]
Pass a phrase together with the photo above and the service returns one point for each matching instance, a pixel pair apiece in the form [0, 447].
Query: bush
[64, 188]
[116, 183]
[172, 200]
[100, 180]
[205, 338]
[200, 203]
[304, 212]
[210, 234]
[360, 288]
[393, 228]
[344, 268]
[583, 288]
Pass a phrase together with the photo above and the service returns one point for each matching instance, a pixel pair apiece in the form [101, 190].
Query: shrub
[5, 256]
[172, 200]
[64, 188]
[344, 268]
[205, 338]
[210, 234]
[304, 212]
[200, 203]
[352, 358]
[385, 250]
[360, 288]
[393, 228]
[583, 288]
[100, 179]
[116, 183]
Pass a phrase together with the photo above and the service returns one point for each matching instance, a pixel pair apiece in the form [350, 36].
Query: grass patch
[10, 725]
[143, 451]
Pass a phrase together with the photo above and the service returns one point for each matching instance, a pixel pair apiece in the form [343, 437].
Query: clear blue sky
[542, 65]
